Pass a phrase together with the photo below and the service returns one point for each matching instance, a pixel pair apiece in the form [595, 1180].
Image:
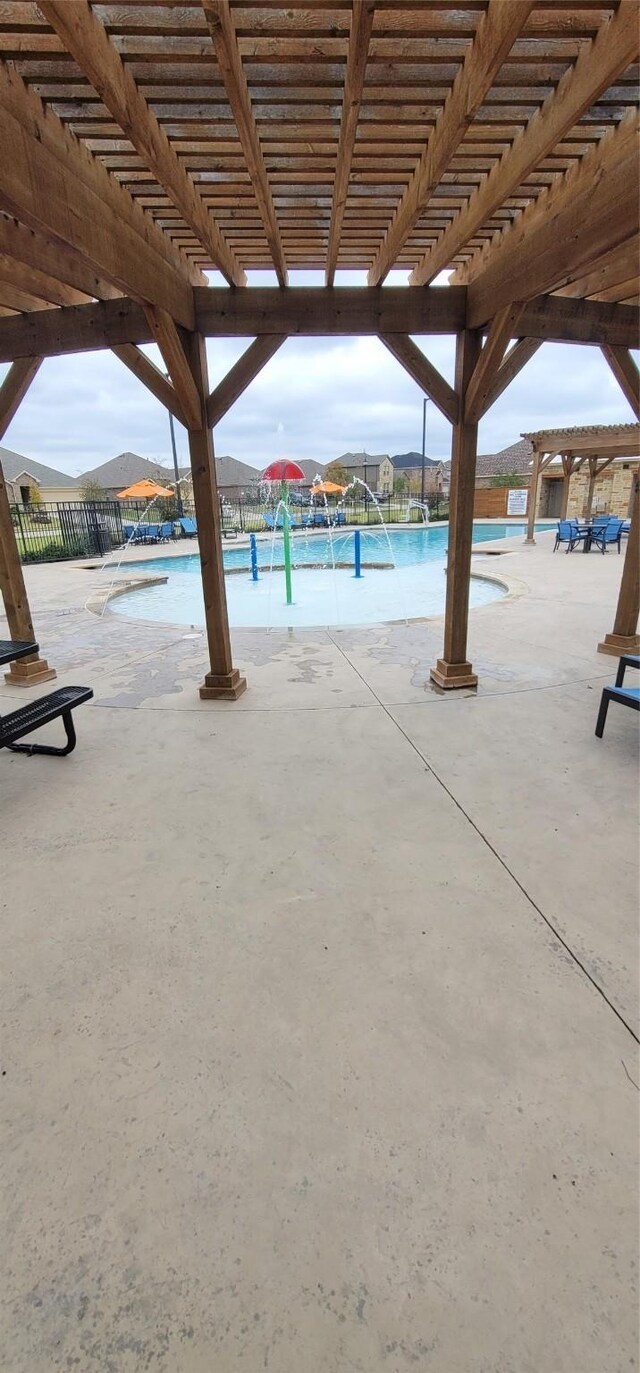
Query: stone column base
[616, 644]
[28, 672]
[451, 676]
[225, 686]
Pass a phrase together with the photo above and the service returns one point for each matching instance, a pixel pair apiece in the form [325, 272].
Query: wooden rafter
[625, 371]
[32, 280]
[496, 33]
[503, 327]
[52, 184]
[568, 227]
[15, 298]
[359, 38]
[167, 337]
[423, 372]
[514, 361]
[223, 37]
[610, 271]
[151, 377]
[597, 66]
[241, 375]
[30, 249]
[87, 40]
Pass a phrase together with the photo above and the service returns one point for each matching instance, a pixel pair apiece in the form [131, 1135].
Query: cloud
[316, 398]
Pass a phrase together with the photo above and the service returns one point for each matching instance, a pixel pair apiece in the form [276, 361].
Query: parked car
[300, 498]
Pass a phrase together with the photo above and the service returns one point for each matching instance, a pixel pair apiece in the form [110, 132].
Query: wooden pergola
[145, 143]
[596, 446]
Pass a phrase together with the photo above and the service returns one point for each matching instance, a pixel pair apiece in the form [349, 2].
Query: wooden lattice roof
[348, 135]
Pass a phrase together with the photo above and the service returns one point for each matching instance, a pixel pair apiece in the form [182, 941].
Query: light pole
[424, 441]
[176, 472]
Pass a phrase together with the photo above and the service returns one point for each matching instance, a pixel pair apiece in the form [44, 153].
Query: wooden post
[223, 681]
[567, 467]
[452, 669]
[588, 502]
[625, 637]
[533, 497]
[33, 670]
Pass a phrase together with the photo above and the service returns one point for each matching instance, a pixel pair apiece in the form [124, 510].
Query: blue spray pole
[254, 557]
[356, 541]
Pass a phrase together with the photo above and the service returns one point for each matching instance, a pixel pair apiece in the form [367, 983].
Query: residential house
[28, 481]
[375, 469]
[409, 465]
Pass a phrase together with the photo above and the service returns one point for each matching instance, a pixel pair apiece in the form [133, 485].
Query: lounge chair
[37, 713]
[567, 532]
[165, 532]
[625, 696]
[272, 523]
[188, 526]
[609, 533]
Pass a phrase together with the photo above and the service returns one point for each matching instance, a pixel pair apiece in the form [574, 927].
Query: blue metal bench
[37, 713]
[625, 696]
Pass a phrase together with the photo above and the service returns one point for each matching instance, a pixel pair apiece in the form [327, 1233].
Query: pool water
[324, 594]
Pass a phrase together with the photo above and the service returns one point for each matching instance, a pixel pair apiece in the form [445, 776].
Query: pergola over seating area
[149, 143]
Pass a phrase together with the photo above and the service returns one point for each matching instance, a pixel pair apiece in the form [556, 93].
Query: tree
[92, 491]
[35, 495]
[400, 484]
[337, 473]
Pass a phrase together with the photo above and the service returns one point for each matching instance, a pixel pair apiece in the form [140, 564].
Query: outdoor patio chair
[567, 532]
[272, 523]
[37, 713]
[188, 526]
[340, 517]
[165, 532]
[625, 696]
[610, 533]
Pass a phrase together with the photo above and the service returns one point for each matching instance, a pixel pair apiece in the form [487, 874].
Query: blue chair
[151, 533]
[165, 531]
[272, 523]
[340, 517]
[625, 696]
[567, 533]
[610, 533]
[188, 526]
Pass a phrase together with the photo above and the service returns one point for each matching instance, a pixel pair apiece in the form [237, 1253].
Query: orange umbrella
[144, 491]
[326, 488]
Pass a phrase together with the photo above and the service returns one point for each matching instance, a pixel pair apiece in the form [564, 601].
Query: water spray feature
[285, 472]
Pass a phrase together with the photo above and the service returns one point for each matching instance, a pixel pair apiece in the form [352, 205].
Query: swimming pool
[325, 593]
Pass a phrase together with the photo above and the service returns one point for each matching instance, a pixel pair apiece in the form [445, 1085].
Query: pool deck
[318, 1007]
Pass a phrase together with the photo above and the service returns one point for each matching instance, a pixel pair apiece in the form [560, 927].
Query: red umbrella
[283, 470]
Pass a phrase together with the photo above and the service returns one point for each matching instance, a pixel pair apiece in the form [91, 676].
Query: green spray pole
[284, 496]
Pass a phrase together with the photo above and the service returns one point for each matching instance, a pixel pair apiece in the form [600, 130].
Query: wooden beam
[453, 669]
[54, 185]
[625, 638]
[625, 371]
[309, 311]
[580, 321]
[169, 341]
[359, 37]
[503, 327]
[613, 269]
[14, 387]
[538, 464]
[31, 671]
[423, 372]
[60, 264]
[241, 375]
[151, 377]
[316, 311]
[222, 681]
[223, 37]
[597, 66]
[496, 33]
[565, 229]
[88, 42]
[14, 299]
[31, 279]
[517, 358]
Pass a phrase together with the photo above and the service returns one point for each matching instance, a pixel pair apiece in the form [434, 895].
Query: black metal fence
[87, 529]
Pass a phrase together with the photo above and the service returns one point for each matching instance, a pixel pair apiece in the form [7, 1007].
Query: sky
[316, 398]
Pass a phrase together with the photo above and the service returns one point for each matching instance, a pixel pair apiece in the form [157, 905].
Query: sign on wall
[517, 501]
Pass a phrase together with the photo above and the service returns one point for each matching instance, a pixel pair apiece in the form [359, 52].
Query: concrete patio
[319, 1008]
